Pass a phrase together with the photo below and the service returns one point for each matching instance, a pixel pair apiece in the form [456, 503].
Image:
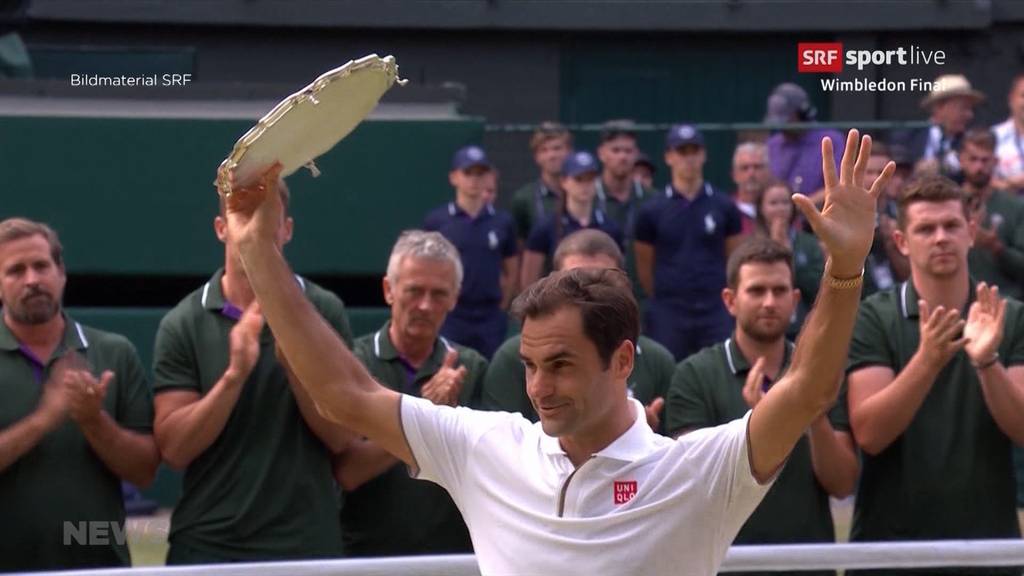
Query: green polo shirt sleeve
[1012, 348]
[656, 369]
[175, 366]
[131, 385]
[504, 387]
[476, 371]
[332, 309]
[690, 403]
[870, 344]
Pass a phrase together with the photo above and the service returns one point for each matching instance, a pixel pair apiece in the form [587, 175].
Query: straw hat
[950, 86]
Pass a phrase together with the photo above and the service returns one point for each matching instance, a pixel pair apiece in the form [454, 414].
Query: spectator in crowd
[951, 107]
[935, 399]
[76, 416]
[794, 155]
[644, 171]
[486, 239]
[632, 499]
[387, 513]
[505, 384]
[1009, 173]
[723, 382]
[579, 211]
[682, 242]
[775, 220]
[997, 256]
[255, 450]
[550, 144]
[885, 265]
[619, 195]
[749, 174]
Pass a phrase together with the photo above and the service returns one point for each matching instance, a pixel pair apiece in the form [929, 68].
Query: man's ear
[220, 228]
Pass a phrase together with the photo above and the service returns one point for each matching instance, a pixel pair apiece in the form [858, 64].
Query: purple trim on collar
[410, 376]
[38, 368]
[231, 311]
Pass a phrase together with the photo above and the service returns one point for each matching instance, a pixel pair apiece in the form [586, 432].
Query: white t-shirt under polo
[646, 504]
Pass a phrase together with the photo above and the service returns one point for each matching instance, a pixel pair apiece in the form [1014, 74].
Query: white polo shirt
[646, 504]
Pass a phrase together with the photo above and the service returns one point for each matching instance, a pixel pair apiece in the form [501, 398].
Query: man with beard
[386, 512]
[997, 256]
[934, 400]
[722, 382]
[256, 452]
[75, 417]
[951, 106]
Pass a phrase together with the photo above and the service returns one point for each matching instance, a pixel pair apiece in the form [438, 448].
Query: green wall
[136, 196]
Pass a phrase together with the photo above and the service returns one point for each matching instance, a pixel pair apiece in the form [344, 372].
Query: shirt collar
[73, 339]
[454, 209]
[738, 363]
[636, 442]
[213, 295]
[908, 298]
[384, 349]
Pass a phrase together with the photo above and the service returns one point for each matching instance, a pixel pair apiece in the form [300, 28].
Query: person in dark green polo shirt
[997, 256]
[550, 144]
[75, 418]
[936, 388]
[256, 453]
[723, 382]
[386, 512]
[504, 388]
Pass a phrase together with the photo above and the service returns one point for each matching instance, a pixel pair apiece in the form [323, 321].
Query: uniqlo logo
[624, 491]
[819, 57]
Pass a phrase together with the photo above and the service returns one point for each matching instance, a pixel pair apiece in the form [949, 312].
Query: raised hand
[939, 329]
[846, 223]
[244, 344]
[753, 389]
[984, 328]
[254, 209]
[445, 386]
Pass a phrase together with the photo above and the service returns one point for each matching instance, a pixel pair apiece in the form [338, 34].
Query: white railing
[779, 558]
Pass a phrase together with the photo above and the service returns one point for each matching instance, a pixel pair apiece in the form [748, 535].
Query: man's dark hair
[981, 138]
[588, 242]
[756, 249]
[604, 298]
[613, 129]
[932, 188]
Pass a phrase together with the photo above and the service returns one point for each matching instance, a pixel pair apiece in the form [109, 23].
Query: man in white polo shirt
[590, 489]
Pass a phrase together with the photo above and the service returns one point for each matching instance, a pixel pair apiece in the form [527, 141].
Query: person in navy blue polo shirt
[486, 239]
[683, 240]
[577, 211]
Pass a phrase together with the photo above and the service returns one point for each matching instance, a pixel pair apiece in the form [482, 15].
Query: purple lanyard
[38, 368]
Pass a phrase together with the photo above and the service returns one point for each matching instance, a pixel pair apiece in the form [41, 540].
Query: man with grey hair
[750, 174]
[386, 512]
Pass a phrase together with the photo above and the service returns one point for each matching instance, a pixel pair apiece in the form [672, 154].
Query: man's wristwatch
[842, 283]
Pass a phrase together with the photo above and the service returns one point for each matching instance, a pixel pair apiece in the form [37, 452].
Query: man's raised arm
[846, 225]
[343, 391]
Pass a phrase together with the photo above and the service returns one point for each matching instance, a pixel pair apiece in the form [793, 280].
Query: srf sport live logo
[830, 57]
